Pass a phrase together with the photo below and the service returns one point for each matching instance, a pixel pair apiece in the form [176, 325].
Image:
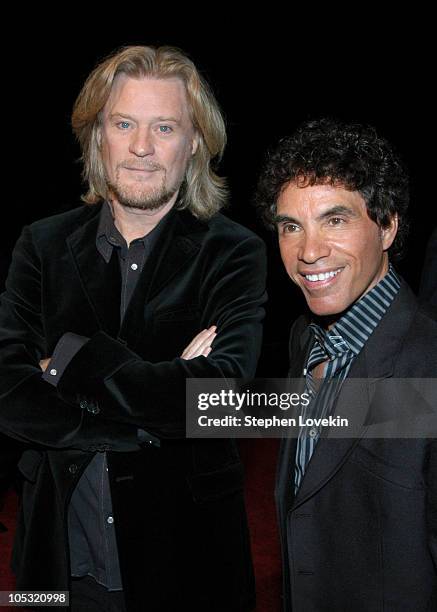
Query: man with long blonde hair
[108, 309]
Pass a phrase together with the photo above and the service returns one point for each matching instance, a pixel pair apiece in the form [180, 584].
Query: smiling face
[147, 140]
[330, 247]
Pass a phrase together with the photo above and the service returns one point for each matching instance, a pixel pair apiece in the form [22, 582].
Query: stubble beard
[141, 198]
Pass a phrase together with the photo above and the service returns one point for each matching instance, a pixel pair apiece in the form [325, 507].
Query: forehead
[148, 95]
[315, 199]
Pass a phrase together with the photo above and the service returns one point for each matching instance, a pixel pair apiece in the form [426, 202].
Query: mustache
[134, 165]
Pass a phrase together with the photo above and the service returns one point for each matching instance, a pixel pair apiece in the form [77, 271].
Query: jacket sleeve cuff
[101, 356]
[67, 347]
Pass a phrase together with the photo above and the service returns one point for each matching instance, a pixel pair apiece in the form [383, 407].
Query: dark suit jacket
[361, 533]
[179, 511]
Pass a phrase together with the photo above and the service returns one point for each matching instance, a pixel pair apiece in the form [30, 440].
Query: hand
[44, 363]
[200, 344]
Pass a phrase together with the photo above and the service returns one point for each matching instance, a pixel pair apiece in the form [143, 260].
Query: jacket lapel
[376, 361]
[100, 281]
[178, 243]
[300, 345]
[330, 454]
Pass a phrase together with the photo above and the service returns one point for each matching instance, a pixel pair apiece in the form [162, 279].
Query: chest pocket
[175, 328]
[183, 312]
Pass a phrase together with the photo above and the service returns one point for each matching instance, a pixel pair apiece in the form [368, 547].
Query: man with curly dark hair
[358, 511]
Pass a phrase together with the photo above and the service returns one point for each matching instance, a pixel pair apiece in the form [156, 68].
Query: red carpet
[7, 517]
[259, 458]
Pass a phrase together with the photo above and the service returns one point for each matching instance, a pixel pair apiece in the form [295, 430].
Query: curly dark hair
[348, 155]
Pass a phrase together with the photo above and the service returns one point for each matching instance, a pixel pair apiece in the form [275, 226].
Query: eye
[289, 228]
[336, 221]
[123, 125]
[165, 129]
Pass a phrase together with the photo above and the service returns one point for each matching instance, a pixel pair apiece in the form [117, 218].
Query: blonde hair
[203, 192]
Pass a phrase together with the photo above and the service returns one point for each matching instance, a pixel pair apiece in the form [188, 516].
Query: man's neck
[135, 223]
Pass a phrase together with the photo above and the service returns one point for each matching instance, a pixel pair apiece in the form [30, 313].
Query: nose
[141, 143]
[313, 247]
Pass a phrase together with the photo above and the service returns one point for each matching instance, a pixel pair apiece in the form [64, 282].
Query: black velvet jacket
[179, 509]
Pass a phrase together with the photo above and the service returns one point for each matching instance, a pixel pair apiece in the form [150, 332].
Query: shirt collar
[354, 328]
[108, 236]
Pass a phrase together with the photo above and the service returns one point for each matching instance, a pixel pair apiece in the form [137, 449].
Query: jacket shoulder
[413, 325]
[63, 223]
[421, 341]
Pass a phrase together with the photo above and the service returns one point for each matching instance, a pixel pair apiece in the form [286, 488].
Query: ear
[388, 234]
[98, 135]
[195, 142]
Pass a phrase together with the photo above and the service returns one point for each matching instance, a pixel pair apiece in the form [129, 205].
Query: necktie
[333, 349]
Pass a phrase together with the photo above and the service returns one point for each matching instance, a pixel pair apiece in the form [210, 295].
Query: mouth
[320, 279]
[140, 169]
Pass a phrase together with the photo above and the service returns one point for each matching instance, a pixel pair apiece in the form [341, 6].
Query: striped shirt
[338, 346]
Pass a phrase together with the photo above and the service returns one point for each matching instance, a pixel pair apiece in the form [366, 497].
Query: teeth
[323, 276]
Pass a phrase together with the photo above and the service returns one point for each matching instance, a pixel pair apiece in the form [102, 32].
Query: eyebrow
[334, 210]
[161, 118]
[174, 119]
[284, 218]
[337, 210]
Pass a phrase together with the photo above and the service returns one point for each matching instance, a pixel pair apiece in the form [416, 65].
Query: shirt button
[72, 468]
[53, 372]
[93, 409]
[110, 520]
[134, 266]
[313, 433]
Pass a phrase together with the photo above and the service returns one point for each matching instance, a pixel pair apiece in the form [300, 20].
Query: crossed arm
[132, 392]
[199, 345]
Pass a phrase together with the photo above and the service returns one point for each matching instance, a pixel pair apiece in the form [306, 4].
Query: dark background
[270, 67]
[267, 79]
